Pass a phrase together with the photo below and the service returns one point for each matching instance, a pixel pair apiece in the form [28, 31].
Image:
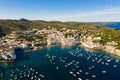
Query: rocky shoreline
[103, 49]
[112, 53]
[7, 61]
[81, 45]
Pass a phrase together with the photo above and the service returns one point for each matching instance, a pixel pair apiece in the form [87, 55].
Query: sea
[115, 25]
[62, 63]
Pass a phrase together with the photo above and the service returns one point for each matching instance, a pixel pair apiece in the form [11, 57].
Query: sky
[61, 10]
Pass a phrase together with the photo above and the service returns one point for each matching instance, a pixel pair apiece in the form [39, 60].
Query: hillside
[107, 34]
[23, 24]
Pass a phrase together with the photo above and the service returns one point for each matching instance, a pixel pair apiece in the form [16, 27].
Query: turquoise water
[62, 63]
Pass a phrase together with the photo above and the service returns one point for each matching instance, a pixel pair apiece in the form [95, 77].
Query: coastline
[81, 45]
[7, 61]
[103, 49]
[112, 53]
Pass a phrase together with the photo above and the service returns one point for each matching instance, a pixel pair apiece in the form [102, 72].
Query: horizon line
[59, 20]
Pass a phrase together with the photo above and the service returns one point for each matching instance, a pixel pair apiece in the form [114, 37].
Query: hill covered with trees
[23, 24]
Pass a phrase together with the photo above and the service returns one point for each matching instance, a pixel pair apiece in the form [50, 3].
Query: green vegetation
[20, 25]
[107, 34]
[96, 41]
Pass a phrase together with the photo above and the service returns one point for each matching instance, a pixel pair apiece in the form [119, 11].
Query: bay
[62, 63]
